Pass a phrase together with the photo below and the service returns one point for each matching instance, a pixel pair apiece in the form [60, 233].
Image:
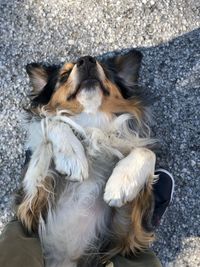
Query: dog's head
[89, 85]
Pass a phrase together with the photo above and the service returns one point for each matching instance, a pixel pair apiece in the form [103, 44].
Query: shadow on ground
[170, 74]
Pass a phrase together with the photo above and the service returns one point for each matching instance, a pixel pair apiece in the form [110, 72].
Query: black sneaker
[163, 192]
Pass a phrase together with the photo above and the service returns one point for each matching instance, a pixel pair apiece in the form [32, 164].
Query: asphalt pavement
[167, 33]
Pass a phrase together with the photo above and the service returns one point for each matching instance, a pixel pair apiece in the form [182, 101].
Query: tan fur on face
[114, 103]
[59, 101]
[29, 213]
[66, 67]
[113, 89]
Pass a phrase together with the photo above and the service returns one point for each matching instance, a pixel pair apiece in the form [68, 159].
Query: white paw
[129, 177]
[119, 188]
[70, 165]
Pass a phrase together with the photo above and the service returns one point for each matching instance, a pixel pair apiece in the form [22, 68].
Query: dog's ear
[38, 76]
[43, 79]
[127, 66]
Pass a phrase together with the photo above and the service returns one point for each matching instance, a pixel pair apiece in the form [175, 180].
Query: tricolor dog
[87, 190]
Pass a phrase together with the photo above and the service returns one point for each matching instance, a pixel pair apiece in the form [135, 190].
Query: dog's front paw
[70, 165]
[117, 191]
[68, 152]
[129, 177]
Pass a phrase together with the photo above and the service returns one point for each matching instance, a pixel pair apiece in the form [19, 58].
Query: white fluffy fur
[90, 99]
[81, 212]
[71, 227]
[88, 120]
[40, 161]
[38, 169]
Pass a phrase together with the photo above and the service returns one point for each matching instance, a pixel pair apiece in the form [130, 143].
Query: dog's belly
[80, 216]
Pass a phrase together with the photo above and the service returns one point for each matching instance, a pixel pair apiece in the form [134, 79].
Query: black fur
[52, 77]
[46, 93]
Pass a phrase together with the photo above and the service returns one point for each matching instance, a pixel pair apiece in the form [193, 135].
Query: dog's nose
[86, 62]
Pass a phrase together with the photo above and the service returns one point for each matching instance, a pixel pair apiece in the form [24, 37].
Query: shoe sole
[172, 179]
[173, 185]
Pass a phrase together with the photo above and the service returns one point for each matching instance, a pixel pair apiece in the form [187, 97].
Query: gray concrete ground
[166, 31]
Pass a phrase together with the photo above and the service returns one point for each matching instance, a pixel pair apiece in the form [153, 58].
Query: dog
[87, 189]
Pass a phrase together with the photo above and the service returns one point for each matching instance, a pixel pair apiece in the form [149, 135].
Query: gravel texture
[167, 33]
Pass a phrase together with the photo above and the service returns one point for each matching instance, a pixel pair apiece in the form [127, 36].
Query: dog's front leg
[57, 142]
[68, 152]
[129, 177]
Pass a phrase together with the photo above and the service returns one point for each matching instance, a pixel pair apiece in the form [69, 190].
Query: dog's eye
[64, 77]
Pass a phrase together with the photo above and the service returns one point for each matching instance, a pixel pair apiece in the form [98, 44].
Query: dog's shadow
[170, 74]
